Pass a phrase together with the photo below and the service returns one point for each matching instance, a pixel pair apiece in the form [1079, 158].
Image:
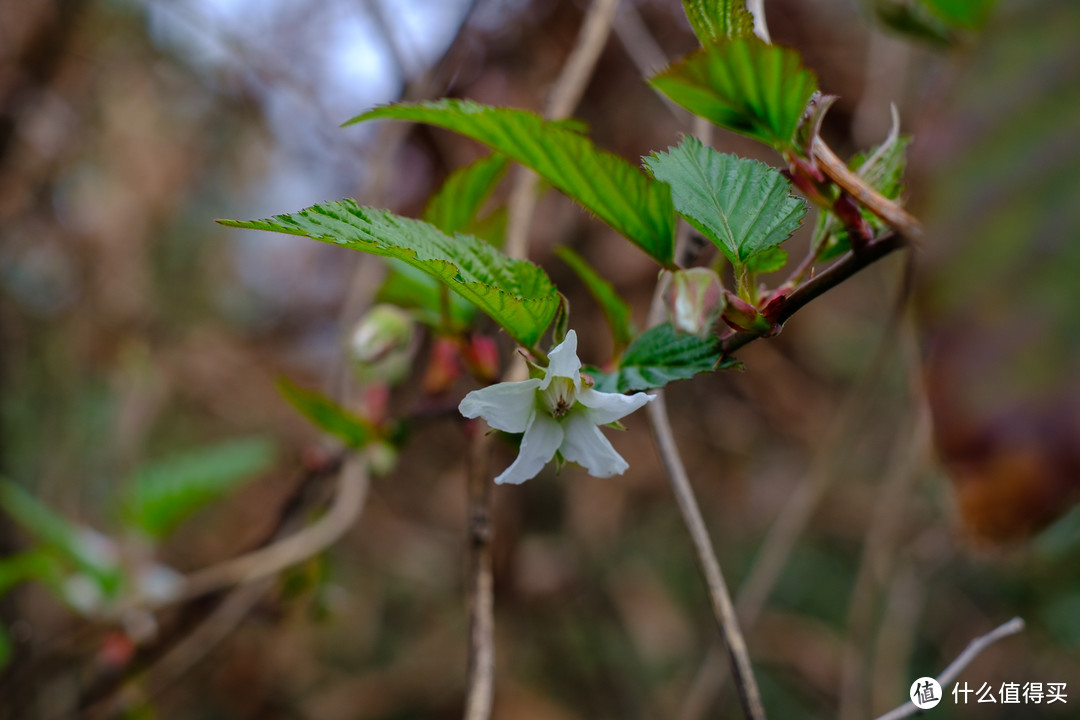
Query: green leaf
[744, 206]
[743, 85]
[80, 546]
[961, 14]
[658, 356]
[163, 494]
[769, 261]
[32, 565]
[514, 293]
[605, 184]
[5, 648]
[453, 208]
[712, 19]
[328, 416]
[411, 288]
[616, 310]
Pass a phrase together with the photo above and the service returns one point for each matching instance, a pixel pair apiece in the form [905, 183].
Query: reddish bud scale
[443, 368]
[481, 357]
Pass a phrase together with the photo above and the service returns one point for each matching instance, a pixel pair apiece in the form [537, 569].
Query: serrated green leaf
[616, 310]
[411, 288]
[163, 494]
[605, 184]
[743, 85]
[658, 356]
[79, 546]
[454, 207]
[744, 206]
[327, 415]
[516, 294]
[712, 19]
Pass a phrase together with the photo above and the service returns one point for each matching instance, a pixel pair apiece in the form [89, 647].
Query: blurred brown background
[132, 326]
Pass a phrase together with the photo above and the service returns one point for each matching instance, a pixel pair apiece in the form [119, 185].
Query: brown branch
[889, 211]
[957, 666]
[821, 283]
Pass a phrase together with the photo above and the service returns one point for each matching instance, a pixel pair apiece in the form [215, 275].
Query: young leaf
[744, 206]
[453, 208]
[712, 19]
[743, 85]
[658, 356]
[769, 261]
[83, 548]
[39, 565]
[616, 310]
[163, 494]
[328, 416]
[514, 293]
[883, 169]
[605, 184]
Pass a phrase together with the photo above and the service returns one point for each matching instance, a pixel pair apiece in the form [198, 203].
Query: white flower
[557, 414]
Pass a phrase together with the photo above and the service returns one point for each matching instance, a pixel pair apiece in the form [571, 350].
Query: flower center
[560, 396]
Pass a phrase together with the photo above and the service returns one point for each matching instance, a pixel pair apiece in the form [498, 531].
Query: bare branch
[972, 651]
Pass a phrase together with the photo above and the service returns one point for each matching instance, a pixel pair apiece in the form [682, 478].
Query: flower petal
[542, 439]
[587, 446]
[505, 406]
[563, 362]
[604, 408]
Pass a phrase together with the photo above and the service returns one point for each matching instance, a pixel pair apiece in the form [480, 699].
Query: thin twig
[723, 610]
[821, 283]
[957, 666]
[889, 211]
[272, 559]
[564, 97]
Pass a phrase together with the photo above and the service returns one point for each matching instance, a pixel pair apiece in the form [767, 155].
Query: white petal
[563, 361]
[609, 407]
[542, 439]
[586, 445]
[505, 406]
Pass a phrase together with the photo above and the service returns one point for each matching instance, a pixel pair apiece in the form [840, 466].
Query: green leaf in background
[163, 494]
[712, 19]
[85, 549]
[516, 294]
[457, 203]
[328, 416]
[616, 310]
[743, 85]
[40, 565]
[744, 206]
[658, 356]
[883, 169]
[605, 184]
[412, 289]
[962, 14]
[942, 22]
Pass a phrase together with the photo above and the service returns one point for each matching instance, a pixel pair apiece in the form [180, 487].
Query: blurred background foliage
[133, 329]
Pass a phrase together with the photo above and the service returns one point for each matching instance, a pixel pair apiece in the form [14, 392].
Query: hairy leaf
[163, 494]
[327, 415]
[713, 19]
[658, 356]
[514, 293]
[744, 206]
[743, 85]
[616, 310]
[605, 184]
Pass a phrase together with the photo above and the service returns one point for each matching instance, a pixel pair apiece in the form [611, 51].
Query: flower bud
[444, 367]
[382, 345]
[741, 315]
[481, 356]
[695, 300]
